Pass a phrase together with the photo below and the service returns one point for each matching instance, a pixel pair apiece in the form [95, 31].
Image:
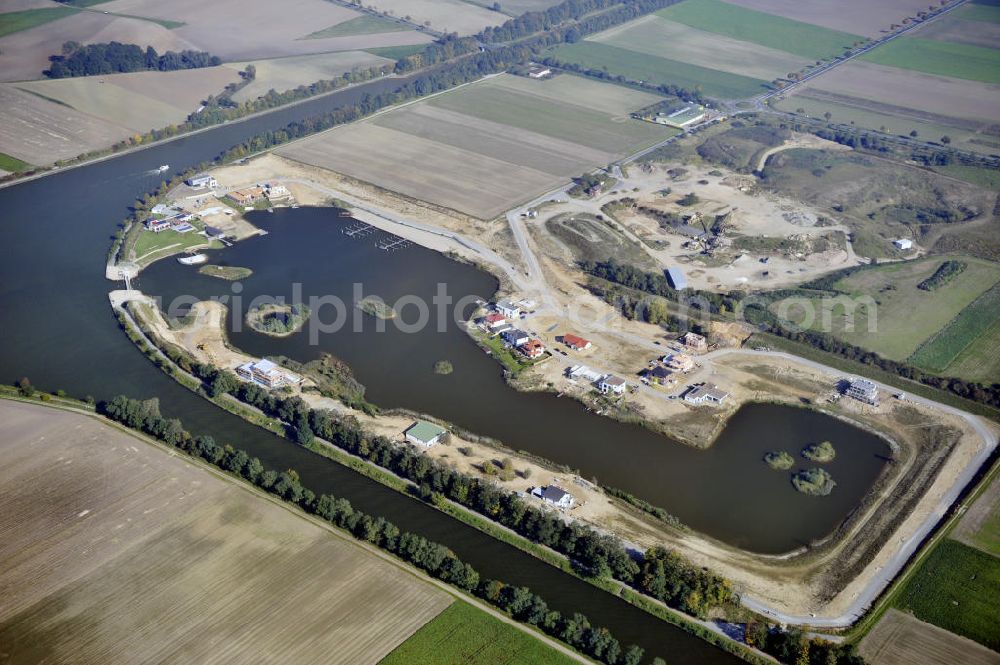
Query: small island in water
[815, 481]
[376, 307]
[779, 460]
[820, 452]
[231, 273]
[443, 367]
[278, 320]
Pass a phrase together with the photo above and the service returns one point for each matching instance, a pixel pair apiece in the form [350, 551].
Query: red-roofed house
[532, 348]
[494, 320]
[575, 343]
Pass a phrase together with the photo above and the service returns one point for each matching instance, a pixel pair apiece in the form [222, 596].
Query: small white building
[583, 372]
[611, 384]
[903, 244]
[862, 390]
[267, 374]
[201, 181]
[425, 434]
[508, 309]
[707, 392]
[554, 495]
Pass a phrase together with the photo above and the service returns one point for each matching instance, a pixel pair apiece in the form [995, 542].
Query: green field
[964, 61]
[659, 71]
[957, 588]
[968, 341]
[980, 12]
[465, 635]
[11, 22]
[977, 175]
[395, 52]
[525, 109]
[804, 39]
[12, 164]
[905, 316]
[362, 25]
[153, 246]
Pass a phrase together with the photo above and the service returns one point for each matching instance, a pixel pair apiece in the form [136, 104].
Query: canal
[58, 330]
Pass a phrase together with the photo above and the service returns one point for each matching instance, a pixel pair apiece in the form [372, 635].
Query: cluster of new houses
[248, 196]
[168, 217]
[498, 323]
[268, 374]
[607, 384]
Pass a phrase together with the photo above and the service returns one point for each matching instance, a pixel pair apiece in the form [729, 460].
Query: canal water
[57, 329]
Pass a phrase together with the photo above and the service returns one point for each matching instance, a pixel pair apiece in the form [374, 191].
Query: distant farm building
[555, 496]
[903, 244]
[201, 181]
[862, 390]
[576, 343]
[680, 118]
[676, 278]
[267, 374]
[694, 341]
[425, 434]
[539, 71]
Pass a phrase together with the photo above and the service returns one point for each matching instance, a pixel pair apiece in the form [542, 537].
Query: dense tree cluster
[434, 558]
[944, 274]
[115, 57]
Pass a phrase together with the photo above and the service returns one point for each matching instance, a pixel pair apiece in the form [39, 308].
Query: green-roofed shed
[424, 433]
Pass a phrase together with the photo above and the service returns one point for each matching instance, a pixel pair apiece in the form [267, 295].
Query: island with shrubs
[822, 453]
[230, 273]
[779, 460]
[443, 367]
[376, 307]
[277, 319]
[815, 482]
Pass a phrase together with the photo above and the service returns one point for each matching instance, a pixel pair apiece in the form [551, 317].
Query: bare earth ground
[115, 550]
[137, 101]
[287, 73]
[24, 55]
[254, 29]
[442, 15]
[911, 89]
[40, 132]
[858, 17]
[901, 639]
[985, 509]
[752, 213]
[952, 28]
[655, 35]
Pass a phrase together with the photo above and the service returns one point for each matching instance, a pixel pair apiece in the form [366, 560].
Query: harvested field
[485, 147]
[803, 39]
[138, 101]
[980, 526]
[240, 30]
[25, 55]
[287, 73]
[859, 17]
[953, 28]
[38, 131]
[366, 24]
[661, 38]
[964, 61]
[117, 551]
[900, 639]
[661, 71]
[422, 169]
[466, 635]
[442, 15]
[517, 7]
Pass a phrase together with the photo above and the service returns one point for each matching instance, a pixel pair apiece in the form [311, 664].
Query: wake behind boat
[193, 259]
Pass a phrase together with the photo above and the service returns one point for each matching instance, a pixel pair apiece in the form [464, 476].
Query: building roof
[613, 381]
[532, 345]
[264, 366]
[573, 340]
[660, 372]
[506, 304]
[707, 391]
[493, 317]
[515, 332]
[676, 278]
[424, 431]
[554, 494]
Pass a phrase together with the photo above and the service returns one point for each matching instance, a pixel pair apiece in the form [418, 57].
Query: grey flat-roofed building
[676, 278]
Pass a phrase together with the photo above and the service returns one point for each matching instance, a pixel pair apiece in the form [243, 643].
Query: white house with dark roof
[508, 309]
[612, 384]
[554, 495]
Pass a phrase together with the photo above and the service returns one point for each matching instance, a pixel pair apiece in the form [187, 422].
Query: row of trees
[434, 558]
[115, 57]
